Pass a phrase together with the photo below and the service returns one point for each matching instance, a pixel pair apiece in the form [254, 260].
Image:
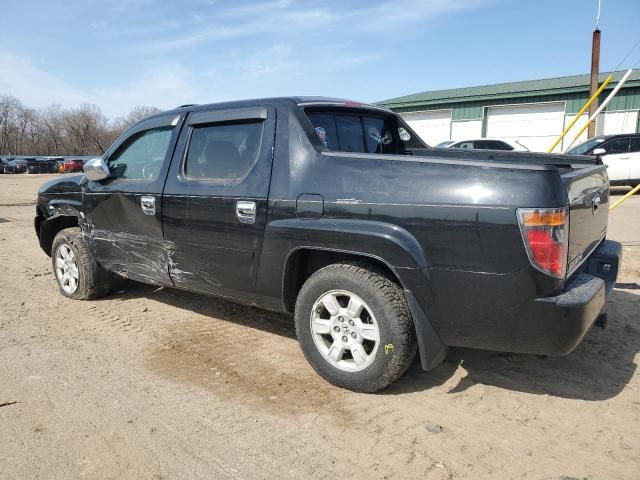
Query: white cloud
[287, 19]
[164, 85]
[33, 86]
[296, 47]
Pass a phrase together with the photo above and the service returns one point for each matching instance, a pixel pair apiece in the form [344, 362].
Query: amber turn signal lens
[544, 218]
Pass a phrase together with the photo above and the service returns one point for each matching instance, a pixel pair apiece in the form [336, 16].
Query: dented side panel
[124, 237]
[125, 240]
[215, 252]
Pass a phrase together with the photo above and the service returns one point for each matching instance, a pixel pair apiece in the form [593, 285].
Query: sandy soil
[157, 383]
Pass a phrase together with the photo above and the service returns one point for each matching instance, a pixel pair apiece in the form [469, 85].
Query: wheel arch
[302, 262]
[50, 227]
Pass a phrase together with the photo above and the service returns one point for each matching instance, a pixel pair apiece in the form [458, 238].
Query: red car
[74, 165]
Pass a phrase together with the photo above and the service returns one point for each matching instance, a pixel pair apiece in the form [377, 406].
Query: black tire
[388, 304]
[93, 281]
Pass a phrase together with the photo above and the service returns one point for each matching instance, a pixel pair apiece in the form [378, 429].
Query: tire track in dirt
[238, 374]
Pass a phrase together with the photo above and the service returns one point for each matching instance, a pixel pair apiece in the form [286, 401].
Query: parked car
[47, 165]
[490, 144]
[72, 165]
[338, 214]
[18, 165]
[621, 154]
[3, 163]
[33, 165]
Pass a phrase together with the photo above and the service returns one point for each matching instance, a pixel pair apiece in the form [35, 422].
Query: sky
[122, 53]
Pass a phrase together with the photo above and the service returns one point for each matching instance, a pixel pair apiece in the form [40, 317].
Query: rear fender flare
[394, 246]
[389, 243]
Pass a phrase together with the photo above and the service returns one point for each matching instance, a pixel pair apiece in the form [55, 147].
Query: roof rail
[187, 105]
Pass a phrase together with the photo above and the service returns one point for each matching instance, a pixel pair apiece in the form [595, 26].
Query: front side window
[466, 145]
[224, 152]
[616, 146]
[142, 155]
[635, 145]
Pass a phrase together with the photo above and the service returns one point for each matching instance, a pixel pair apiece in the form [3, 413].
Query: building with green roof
[532, 112]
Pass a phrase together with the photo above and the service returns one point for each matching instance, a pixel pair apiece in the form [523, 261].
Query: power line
[628, 54]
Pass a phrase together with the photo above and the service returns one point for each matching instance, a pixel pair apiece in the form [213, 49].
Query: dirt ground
[158, 383]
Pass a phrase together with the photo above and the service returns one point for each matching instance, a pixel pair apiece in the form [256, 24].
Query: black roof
[617, 135]
[301, 101]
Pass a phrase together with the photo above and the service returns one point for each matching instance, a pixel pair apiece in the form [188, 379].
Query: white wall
[466, 129]
[566, 141]
[433, 126]
[609, 123]
[535, 126]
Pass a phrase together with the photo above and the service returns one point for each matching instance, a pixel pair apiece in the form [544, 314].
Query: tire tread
[401, 323]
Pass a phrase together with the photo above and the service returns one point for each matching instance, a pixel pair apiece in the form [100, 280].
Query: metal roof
[549, 86]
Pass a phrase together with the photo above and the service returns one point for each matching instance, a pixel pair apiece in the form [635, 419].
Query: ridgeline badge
[348, 201]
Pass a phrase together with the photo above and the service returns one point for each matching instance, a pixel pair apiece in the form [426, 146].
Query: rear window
[344, 131]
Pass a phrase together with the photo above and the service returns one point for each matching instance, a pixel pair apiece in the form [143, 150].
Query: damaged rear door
[215, 199]
[123, 214]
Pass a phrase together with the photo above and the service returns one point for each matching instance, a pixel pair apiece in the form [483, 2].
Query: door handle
[246, 211]
[623, 158]
[148, 205]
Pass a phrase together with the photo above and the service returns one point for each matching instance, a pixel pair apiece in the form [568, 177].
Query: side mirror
[96, 169]
[599, 151]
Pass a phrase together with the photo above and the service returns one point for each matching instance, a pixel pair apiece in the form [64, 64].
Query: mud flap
[430, 346]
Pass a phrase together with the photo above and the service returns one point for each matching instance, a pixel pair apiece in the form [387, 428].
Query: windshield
[586, 146]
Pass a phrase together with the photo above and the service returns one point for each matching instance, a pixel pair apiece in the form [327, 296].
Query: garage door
[612, 123]
[433, 126]
[534, 126]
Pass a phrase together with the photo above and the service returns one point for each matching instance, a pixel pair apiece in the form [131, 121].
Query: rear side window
[223, 151]
[492, 145]
[362, 133]
[635, 144]
[463, 145]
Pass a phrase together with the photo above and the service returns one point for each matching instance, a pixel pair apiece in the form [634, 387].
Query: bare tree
[58, 131]
[9, 108]
[51, 122]
[139, 112]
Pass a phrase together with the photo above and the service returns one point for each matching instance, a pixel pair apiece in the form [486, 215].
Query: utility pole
[595, 72]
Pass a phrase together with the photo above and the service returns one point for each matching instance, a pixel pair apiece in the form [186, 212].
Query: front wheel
[354, 327]
[77, 273]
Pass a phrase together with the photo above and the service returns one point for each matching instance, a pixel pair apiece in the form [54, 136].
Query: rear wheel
[354, 327]
[77, 273]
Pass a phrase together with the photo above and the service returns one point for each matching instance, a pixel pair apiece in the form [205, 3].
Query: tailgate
[588, 196]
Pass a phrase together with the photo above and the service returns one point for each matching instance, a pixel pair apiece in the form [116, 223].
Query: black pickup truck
[336, 212]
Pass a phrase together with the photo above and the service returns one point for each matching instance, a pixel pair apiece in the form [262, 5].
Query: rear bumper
[556, 325]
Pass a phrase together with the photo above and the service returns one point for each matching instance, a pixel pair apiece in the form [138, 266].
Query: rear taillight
[545, 234]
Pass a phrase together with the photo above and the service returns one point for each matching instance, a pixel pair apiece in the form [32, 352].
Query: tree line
[60, 131]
